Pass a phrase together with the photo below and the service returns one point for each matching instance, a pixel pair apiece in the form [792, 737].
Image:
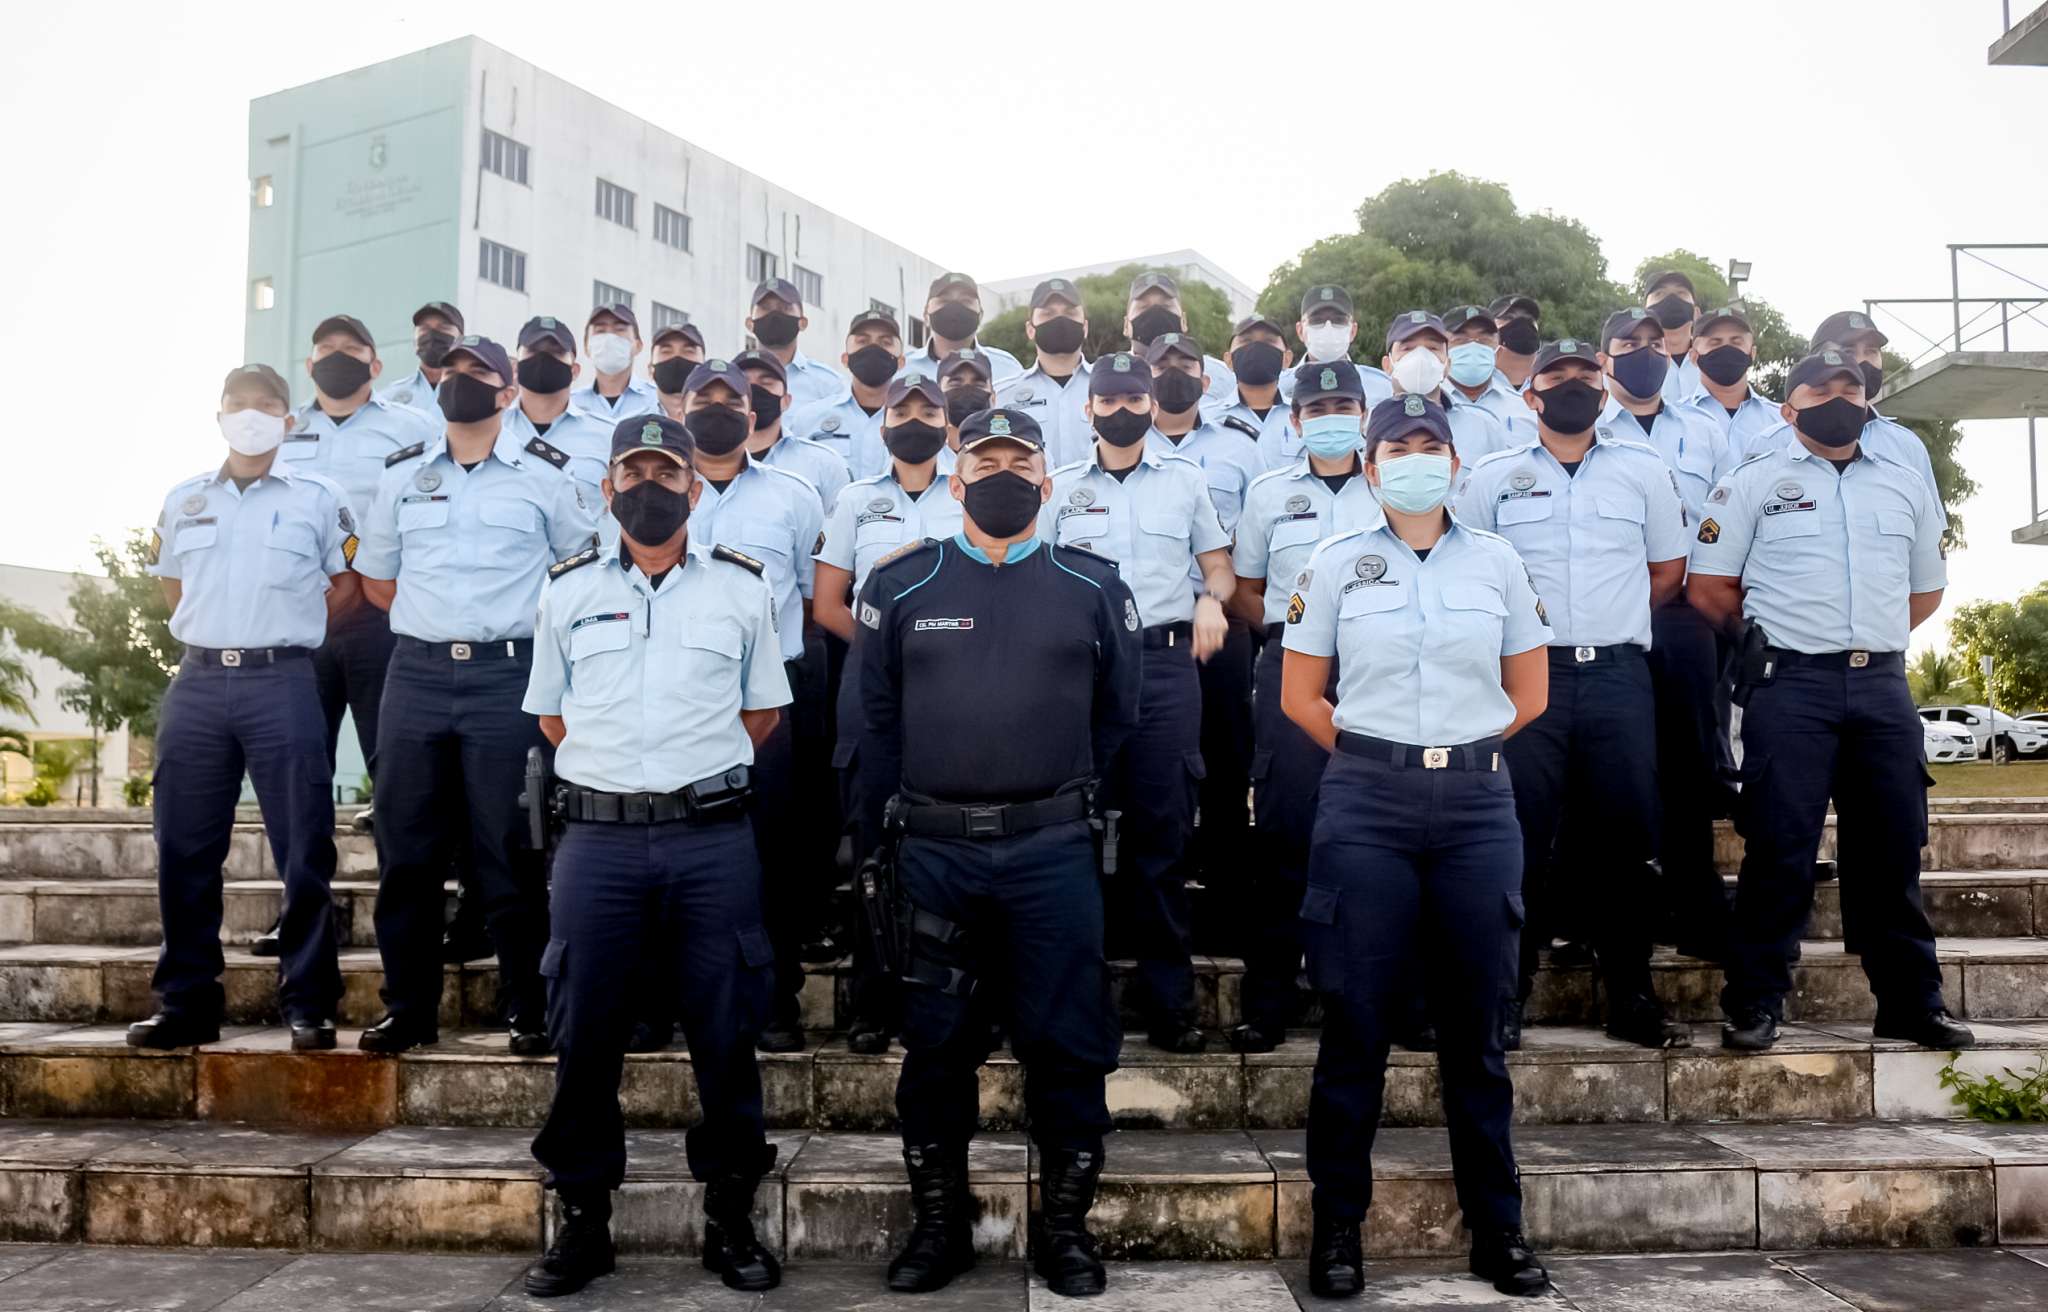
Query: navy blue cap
[1316, 379]
[1459, 315]
[1326, 296]
[762, 360]
[1251, 321]
[781, 288]
[1170, 343]
[1735, 314]
[1146, 282]
[689, 332]
[1551, 354]
[262, 375]
[1398, 416]
[874, 317]
[486, 353]
[1001, 424]
[967, 358]
[347, 323]
[1121, 374]
[924, 385]
[1503, 306]
[946, 280]
[717, 371]
[1623, 323]
[652, 433]
[1412, 322]
[1846, 327]
[547, 328]
[1820, 367]
[441, 308]
[1051, 287]
[618, 310]
[1671, 278]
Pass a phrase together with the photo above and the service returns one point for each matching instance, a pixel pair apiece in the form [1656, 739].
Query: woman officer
[1439, 642]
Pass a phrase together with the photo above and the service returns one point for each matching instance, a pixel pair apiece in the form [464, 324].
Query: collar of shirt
[1018, 550]
[1037, 370]
[1148, 456]
[281, 470]
[311, 413]
[506, 448]
[1798, 451]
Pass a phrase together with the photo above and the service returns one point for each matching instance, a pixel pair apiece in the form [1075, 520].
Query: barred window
[671, 227]
[603, 293]
[504, 157]
[667, 316]
[501, 265]
[615, 203]
[761, 266]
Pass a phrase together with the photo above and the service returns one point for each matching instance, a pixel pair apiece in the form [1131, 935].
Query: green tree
[1941, 678]
[2014, 634]
[1104, 296]
[17, 685]
[1778, 347]
[55, 763]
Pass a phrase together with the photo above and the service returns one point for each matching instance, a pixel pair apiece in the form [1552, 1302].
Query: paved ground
[35, 1278]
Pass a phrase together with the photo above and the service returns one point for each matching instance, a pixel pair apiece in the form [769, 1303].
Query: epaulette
[1754, 456]
[1089, 552]
[577, 561]
[908, 548]
[547, 453]
[740, 558]
[404, 454]
[1242, 425]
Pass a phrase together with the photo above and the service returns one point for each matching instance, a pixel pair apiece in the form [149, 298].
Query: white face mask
[251, 432]
[1419, 372]
[610, 352]
[1328, 341]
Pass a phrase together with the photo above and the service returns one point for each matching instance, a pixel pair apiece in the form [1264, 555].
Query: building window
[810, 287]
[501, 265]
[916, 331]
[261, 194]
[504, 157]
[882, 306]
[671, 227]
[603, 293]
[614, 203]
[761, 266]
[262, 294]
[667, 316]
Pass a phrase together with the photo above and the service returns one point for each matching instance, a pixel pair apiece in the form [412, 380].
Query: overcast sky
[1836, 147]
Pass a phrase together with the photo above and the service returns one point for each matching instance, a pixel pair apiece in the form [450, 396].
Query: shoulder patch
[1242, 425]
[404, 454]
[547, 453]
[577, 561]
[740, 558]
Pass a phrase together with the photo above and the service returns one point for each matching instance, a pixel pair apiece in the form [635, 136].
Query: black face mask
[1002, 504]
[649, 513]
[1641, 372]
[777, 329]
[1151, 324]
[1873, 378]
[717, 430]
[967, 401]
[955, 322]
[1060, 336]
[1519, 337]
[1256, 364]
[543, 373]
[1570, 407]
[1672, 312]
[872, 365]
[671, 374]
[1725, 364]
[1834, 424]
[466, 400]
[432, 348]
[340, 376]
[914, 441]
[1176, 392]
[767, 407]
[1123, 427]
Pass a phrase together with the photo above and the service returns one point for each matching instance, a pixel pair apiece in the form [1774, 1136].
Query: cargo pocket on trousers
[755, 949]
[1320, 941]
[842, 754]
[1511, 964]
[551, 960]
[1196, 770]
[1262, 796]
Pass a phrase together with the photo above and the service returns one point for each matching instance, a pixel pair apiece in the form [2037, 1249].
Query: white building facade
[1189, 266]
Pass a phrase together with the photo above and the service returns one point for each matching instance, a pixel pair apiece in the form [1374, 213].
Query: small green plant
[135, 790]
[1989, 1098]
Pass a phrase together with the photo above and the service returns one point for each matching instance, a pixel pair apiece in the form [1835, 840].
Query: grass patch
[1983, 779]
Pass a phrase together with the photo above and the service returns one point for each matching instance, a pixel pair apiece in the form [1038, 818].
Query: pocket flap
[551, 959]
[194, 536]
[1518, 913]
[1619, 508]
[755, 949]
[721, 638]
[1319, 904]
[1474, 596]
[1371, 601]
[842, 753]
[1197, 769]
[1898, 523]
[1523, 510]
[505, 513]
[1295, 533]
[297, 537]
[600, 634]
[1262, 765]
[1164, 523]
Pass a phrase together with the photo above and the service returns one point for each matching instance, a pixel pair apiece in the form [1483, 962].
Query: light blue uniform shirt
[583, 437]
[874, 516]
[353, 452]
[1752, 421]
[1588, 539]
[1002, 365]
[775, 517]
[1269, 432]
[1153, 524]
[641, 397]
[416, 393]
[469, 548]
[254, 564]
[815, 463]
[834, 424]
[1281, 442]
[1681, 380]
[1692, 447]
[650, 682]
[1501, 400]
[1222, 388]
[1061, 410]
[810, 381]
[1286, 513]
[1378, 384]
[1881, 437]
[1826, 560]
[1418, 642]
[1228, 462]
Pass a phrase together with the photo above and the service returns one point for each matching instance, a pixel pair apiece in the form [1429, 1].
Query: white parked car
[1946, 742]
[2013, 737]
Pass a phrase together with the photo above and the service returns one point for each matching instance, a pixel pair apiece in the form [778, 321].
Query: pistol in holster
[922, 947]
[1106, 825]
[1756, 662]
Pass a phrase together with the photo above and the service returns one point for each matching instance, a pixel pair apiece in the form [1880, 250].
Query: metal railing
[2026, 307]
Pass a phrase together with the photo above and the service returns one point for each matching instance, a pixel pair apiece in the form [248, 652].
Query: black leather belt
[995, 820]
[235, 657]
[721, 797]
[496, 649]
[1483, 755]
[1178, 634]
[1622, 651]
[1841, 660]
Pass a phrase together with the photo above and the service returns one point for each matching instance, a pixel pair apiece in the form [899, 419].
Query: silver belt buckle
[459, 650]
[231, 658]
[1436, 758]
[1858, 659]
[1585, 655]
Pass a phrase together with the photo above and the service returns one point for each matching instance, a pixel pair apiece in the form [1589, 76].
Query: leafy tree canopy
[1104, 297]
[2014, 634]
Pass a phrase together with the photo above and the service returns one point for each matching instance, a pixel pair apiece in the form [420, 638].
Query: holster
[537, 799]
[921, 947]
[1756, 665]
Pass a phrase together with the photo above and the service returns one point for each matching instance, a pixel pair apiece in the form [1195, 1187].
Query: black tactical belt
[721, 797]
[500, 649]
[998, 820]
[1621, 651]
[234, 657]
[1178, 634]
[1483, 756]
[1841, 660]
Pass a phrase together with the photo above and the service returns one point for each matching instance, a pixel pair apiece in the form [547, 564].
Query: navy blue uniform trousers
[350, 667]
[1685, 666]
[876, 994]
[1813, 733]
[687, 899]
[217, 723]
[1287, 769]
[1217, 848]
[1029, 901]
[1412, 864]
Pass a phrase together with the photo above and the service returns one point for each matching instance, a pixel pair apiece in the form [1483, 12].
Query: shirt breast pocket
[194, 538]
[1893, 558]
[711, 655]
[1474, 616]
[417, 517]
[517, 517]
[1289, 550]
[1078, 529]
[1366, 602]
[1165, 536]
[294, 555]
[1524, 510]
[1620, 521]
[600, 660]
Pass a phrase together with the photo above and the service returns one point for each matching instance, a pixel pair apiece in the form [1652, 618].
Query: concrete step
[1827, 1071]
[1203, 1196]
[123, 912]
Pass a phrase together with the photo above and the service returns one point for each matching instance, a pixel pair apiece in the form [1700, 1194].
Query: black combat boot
[1063, 1251]
[1336, 1259]
[730, 1247]
[1505, 1258]
[941, 1243]
[582, 1250]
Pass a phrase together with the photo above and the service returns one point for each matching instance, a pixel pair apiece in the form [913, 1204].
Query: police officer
[1475, 376]
[656, 670]
[1327, 328]
[1257, 408]
[952, 310]
[253, 556]
[674, 352]
[1418, 360]
[1286, 513]
[1054, 390]
[774, 517]
[546, 367]
[456, 545]
[611, 338]
[1854, 335]
[435, 326]
[1518, 319]
[1598, 521]
[1832, 554]
[964, 379]
[1674, 304]
[771, 443]
[873, 356]
[1153, 307]
[1151, 512]
[1040, 645]
[775, 319]
[1724, 346]
[1438, 640]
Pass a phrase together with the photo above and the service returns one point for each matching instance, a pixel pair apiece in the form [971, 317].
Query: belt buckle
[1585, 655]
[1436, 758]
[231, 658]
[982, 821]
[1858, 659]
[459, 651]
[637, 808]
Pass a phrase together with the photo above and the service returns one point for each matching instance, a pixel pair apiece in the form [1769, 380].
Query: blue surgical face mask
[1330, 436]
[1471, 363]
[1416, 484]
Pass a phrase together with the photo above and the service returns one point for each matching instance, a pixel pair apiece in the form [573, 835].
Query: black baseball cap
[1121, 374]
[547, 328]
[1398, 416]
[967, 358]
[1551, 354]
[924, 385]
[442, 308]
[1503, 306]
[1407, 325]
[781, 288]
[1000, 424]
[945, 280]
[761, 360]
[1734, 314]
[717, 371]
[347, 323]
[262, 375]
[874, 316]
[1146, 282]
[1459, 315]
[1845, 327]
[1052, 287]
[1252, 321]
[1820, 367]
[486, 353]
[1671, 278]
[618, 310]
[652, 433]
[1623, 323]
[1317, 379]
[1159, 347]
[687, 331]
[1327, 295]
